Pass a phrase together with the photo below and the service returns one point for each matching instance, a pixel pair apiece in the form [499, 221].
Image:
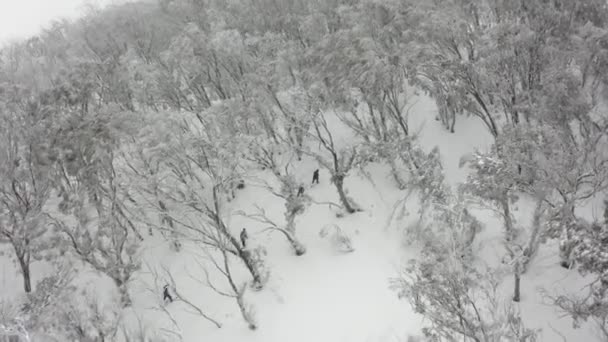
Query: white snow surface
[324, 296]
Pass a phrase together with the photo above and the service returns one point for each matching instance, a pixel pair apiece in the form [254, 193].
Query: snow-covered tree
[48, 298]
[446, 49]
[199, 166]
[495, 183]
[144, 170]
[338, 160]
[24, 191]
[363, 72]
[587, 243]
[58, 310]
[236, 291]
[278, 160]
[561, 167]
[459, 301]
[94, 220]
[213, 83]
[441, 211]
[98, 233]
[164, 277]
[295, 205]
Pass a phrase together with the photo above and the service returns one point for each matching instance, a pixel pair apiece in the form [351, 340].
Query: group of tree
[144, 118]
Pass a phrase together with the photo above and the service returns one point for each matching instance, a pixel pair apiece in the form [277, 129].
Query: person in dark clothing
[244, 237]
[166, 294]
[315, 176]
[300, 191]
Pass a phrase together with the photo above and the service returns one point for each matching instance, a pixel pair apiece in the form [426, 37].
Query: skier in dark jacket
[315, 176]
[166, 294]
[244, 237]
[300, 191]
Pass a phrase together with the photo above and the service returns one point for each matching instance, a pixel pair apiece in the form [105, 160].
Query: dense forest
[143, 121]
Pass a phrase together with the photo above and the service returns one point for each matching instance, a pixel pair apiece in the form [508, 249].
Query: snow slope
[323, 296]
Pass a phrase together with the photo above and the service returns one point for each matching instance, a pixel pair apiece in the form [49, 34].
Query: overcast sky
[23, 18]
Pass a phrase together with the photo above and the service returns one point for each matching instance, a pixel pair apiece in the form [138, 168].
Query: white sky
[23, 18]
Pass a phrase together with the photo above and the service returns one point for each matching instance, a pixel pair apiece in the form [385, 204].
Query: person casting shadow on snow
[244, 237]
[315, 176]
[167, 295]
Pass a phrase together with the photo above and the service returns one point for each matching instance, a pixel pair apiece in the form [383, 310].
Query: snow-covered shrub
[446, 218]
[440, 210]
[459, 301]
[86, 317]
[338, 239]
[50, 292]
[587, 242]
[13, 323]
[62, 312]
[428, 177]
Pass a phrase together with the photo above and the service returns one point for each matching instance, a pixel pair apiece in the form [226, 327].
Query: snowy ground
[323, 296]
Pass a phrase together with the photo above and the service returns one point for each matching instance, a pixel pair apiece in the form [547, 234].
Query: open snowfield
[324, 296]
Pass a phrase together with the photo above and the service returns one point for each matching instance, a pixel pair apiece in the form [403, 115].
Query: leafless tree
[144, 169]
[339, 161]
[99, 229]
[288, 190]
[24, 190]
[289, 233]
[459, 301]
[523, 246]
[235, 291]
[198, 167]
[165, 277]
[580, 307]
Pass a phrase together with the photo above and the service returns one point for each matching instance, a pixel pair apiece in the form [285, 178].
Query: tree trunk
[453, 122]
[515, 117]
[25, 271]
[291, 225]
[297, 246]
[506, 211]
[23, 257]
[125, 298]
[565, 254]
[239, 294]
[395, 173]
[490, 122]
[246, 314]
[252, 267]
[516, 294]
[566, 244]
[300, 142]
[339, 182]
[473, 228]
[443, 116]
[245, 256]
[290, 234]
[535, 238]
